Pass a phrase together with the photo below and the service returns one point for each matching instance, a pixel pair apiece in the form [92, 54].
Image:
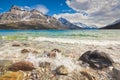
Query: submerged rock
[53, 53]
[44, 64]
[116, 73]
[12, 76]
[4, 64]
[22, 65]
[62, 70]
[25, 51]
[96, 59]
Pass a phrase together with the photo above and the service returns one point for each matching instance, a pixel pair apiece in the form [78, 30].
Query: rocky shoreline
[47, 60]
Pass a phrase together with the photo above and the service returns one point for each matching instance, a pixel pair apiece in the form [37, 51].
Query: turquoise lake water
[75, 34]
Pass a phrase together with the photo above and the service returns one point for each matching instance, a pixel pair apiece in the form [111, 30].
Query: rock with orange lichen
[62, 70]
[12, 76]
[22, 65]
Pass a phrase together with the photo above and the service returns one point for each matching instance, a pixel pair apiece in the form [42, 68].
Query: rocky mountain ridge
[18, 18]
[67, 23]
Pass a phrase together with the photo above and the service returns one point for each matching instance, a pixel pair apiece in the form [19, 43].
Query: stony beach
[59, 59]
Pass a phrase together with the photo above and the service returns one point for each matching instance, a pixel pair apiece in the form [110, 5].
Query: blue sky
[54, 6]
[89, 12]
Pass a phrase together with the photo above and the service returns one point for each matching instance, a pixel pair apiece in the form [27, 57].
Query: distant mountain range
[84, 26]
[18, 18]
[114, 25]
[76, 25]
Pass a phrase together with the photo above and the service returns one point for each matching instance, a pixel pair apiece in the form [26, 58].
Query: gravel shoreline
[16, 51]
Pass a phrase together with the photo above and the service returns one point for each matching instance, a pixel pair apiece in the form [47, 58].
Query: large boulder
[22, 65]
[96, 59]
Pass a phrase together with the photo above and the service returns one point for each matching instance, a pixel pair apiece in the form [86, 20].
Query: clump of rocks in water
[55, 66]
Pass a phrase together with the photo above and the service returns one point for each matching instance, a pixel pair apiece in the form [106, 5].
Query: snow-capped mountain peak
[67, 23]
[75, 24]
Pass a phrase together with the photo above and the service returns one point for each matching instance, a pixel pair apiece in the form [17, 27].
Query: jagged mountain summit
[18, 18]
[114, 25]
[69, 24]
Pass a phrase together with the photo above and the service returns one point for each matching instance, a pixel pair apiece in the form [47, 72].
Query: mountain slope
[75, 25]
[67, 23]
[84, 26]
[17, 18]
[114, 25]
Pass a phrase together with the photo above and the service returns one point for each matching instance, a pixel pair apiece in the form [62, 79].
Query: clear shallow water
[75, 34]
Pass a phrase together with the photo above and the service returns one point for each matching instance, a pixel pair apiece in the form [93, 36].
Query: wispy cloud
[26, 7]
[41, 8]
[100, 13]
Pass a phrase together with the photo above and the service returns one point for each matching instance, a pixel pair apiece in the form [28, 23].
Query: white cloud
[77, 17]
[100, 13]
[27, 7]
[42, 8]
[38, 7]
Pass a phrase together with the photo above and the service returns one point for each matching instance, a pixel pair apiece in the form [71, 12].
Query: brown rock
[25, 51]
[12, 76]
[25, 44]
[22, 65]
[29, 50]
[88, 75]
[62, 70]
[34, 51]
[53, 52]
[96, 59]
[16, 45]
[56, 50]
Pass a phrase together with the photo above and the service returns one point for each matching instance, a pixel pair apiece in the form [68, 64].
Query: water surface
[74, 34]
